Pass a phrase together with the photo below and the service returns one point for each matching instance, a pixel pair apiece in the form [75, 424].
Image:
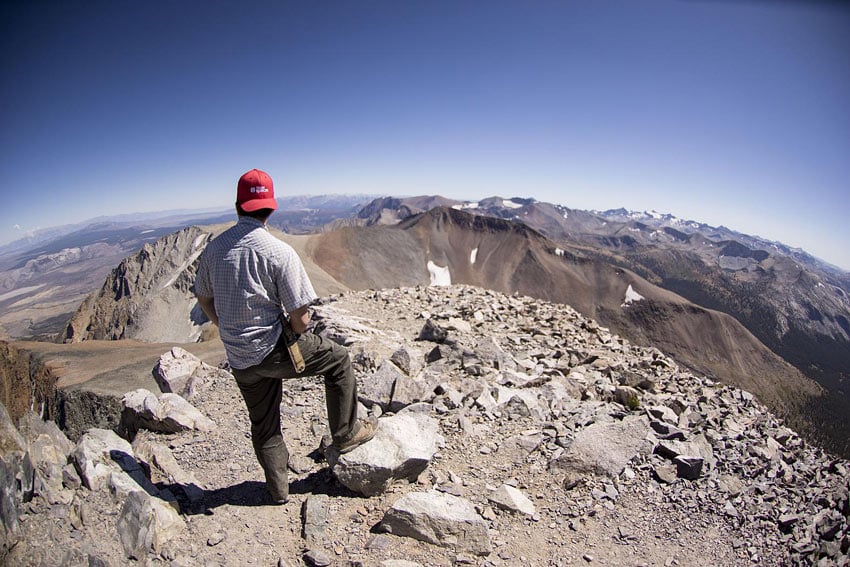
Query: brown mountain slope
[512, 258]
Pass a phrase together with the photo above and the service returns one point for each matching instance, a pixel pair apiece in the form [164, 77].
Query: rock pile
[511, 431]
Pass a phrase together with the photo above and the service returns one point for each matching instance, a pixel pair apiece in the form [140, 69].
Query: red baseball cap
[255, 191]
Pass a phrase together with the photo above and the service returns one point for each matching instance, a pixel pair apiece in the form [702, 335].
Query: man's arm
[208, 306]
[299, 318]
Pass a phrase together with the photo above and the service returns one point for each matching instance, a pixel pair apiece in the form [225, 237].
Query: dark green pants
[262, 391]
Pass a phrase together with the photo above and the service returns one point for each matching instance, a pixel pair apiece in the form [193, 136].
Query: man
[247, 279]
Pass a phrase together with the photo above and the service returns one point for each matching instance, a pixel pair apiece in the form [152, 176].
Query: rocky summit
[512, 431]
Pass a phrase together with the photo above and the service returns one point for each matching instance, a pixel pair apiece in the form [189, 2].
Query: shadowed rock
[101, 454]
[169, 413]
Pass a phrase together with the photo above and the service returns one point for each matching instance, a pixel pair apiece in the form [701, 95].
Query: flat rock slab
[605, 448]
[439, 519]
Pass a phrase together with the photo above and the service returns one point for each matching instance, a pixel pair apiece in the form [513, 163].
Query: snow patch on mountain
[631, 296]
[439, 275]
[473, 256]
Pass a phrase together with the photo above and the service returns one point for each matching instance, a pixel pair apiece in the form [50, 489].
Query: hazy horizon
[727, 113]
[159, 214]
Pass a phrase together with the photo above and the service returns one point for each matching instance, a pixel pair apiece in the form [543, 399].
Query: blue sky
[720, 111]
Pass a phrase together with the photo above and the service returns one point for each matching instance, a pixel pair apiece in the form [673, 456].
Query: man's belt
[291, 341]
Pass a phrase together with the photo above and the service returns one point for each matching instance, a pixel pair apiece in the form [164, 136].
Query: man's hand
[299, 318]
[208, 306]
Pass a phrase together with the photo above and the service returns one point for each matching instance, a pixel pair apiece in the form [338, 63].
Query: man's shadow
[194, 500]
[250, 493]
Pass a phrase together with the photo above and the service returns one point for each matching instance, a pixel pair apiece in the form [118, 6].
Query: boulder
[145, 524]
[169, 413]
[605, 448]
[100, 453]
[439, 519]
[181, 372]
[49, 449]
[402, 448]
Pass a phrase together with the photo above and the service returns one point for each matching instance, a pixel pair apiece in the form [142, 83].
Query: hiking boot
[365, 433]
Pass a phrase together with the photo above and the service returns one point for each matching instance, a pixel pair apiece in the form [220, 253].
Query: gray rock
[317, 558]
[19, 472]
[433, 332]
[378, 388]
[666, 473]
[169, 413]
[512, 499]
[488, 351]
[104, 460]
[695, 453]
[409, 360]
[459, 325]
[605, 448]
[439, 352]
[402, 448]
[627, 396]
[314, 515]
[46, 442]
[9, 524]
[663, 413]
[527, 403]
[410, 390]
[688, 467]
[664, 430]
[145, 524]
[439, 519]
[164, 468]
[181, 372]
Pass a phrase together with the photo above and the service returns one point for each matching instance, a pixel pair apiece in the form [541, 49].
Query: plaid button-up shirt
[252, 277]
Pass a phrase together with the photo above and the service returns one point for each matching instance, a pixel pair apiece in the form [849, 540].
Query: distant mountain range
[711, 297]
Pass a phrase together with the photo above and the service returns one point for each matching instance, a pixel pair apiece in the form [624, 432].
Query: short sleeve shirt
[252, 277]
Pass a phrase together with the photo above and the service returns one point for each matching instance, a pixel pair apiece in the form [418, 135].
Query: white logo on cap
[260, 189]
